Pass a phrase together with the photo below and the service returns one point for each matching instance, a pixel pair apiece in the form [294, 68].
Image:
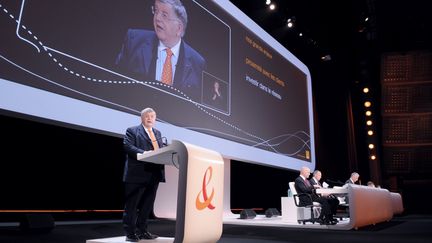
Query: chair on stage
[309, 213]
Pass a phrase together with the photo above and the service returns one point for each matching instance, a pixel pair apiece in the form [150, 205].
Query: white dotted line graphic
[200, 107]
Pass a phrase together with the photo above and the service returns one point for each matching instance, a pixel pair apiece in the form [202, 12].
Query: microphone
[334, 183]
[164, 141]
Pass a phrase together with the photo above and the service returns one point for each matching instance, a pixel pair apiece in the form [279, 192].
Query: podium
[199, 216]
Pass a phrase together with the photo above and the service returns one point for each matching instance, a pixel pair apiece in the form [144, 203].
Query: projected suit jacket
[136, 141]
[138, 55]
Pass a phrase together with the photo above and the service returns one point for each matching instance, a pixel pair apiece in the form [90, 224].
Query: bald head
[305, 172]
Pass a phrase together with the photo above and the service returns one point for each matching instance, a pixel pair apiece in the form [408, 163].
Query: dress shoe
[333, 220]
[146, 236]
[320, 220]
[132, 238]
[329, 222]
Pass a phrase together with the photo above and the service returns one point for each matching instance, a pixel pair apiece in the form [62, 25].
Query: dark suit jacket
[138, 59]
[136, 141]
[349, 181]
[301, 187]
[313, 182]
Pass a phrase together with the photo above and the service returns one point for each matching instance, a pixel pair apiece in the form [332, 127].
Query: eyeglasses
[162, 14]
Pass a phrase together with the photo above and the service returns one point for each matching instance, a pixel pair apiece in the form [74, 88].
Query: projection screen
[88, 64]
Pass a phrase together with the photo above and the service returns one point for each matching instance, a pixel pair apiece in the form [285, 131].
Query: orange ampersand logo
[207, 200]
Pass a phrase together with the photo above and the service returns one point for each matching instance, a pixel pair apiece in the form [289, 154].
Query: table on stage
[367, 205]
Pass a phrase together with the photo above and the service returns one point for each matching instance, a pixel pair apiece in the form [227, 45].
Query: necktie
[307, 183]
[153, 139]
[167, 68]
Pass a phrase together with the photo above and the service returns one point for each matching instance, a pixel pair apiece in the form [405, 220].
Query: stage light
[326, 58]
[373, 157]
[371, 146]
[247, 214]
[300, 34]
[290, 22]
[268, 2]
[366, 90]
[272, 212]
[272, 6]
[367, 104]
[370, 132]
[369, 122]
[368, 113]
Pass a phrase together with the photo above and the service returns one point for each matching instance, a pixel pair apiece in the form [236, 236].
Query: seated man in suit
[332, 200]
[303, 187]
[162, 54]
[370, 184]
[353, 178]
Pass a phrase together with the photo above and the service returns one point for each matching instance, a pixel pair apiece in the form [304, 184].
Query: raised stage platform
[122, 239]
[368, 206]
[234, 219]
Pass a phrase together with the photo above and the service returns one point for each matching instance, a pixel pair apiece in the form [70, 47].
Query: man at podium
[141, 178]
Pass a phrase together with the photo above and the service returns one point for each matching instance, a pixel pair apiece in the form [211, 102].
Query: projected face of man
[167, 26]
[148, 119]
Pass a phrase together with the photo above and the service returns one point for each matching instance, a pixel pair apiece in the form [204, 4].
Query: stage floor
[259, 220]
[122, 239]
[262, 220]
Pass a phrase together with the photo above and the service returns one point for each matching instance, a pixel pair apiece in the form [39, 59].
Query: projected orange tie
[167, 68]
[153, 139]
